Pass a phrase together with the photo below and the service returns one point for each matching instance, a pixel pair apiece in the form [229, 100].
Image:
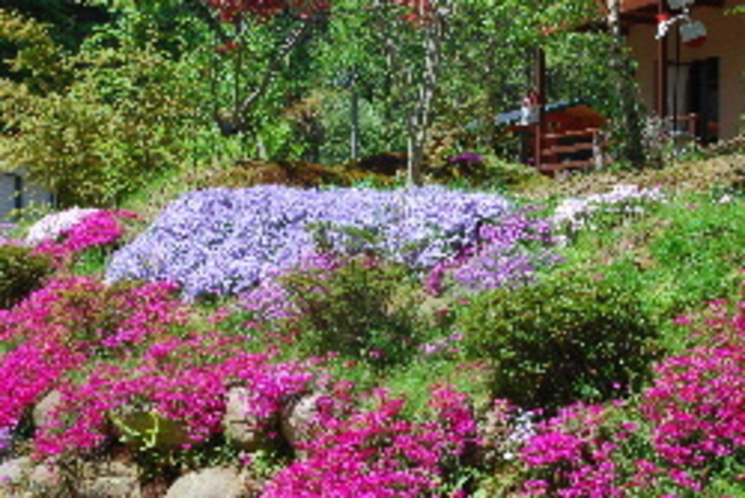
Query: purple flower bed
[225, 241]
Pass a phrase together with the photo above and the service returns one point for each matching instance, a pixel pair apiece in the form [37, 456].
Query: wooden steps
[571, 149]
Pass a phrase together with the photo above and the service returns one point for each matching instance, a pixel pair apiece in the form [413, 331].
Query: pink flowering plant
[128, 348]
[378, 452]
[94, 230]
[685, 433]
[697, 403]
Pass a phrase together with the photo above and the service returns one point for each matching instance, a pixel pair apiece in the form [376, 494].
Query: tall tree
[629, 115]
[256, 39]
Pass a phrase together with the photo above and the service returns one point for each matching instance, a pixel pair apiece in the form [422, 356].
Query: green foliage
[291, 173]
[37, 59]
[126, 116]
[362, 310]
[697, 253]
[21, 272]
[684, 253]
[571, 336]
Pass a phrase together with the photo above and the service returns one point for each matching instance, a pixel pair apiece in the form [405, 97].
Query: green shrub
[569, 337]
[362, 310]
[21, 272]
[126, 116]
[697, 254]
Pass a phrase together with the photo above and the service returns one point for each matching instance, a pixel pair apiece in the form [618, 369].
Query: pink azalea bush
[52, 226]
[74, 234]
[377, 452]
[687, 428]
[128, 347]
[697, 403]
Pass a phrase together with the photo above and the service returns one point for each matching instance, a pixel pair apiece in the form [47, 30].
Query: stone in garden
[21, 478]
[243, 429]
[44, 409]
[13, 473]
[215, 482]
[110, 480]
[297, 422]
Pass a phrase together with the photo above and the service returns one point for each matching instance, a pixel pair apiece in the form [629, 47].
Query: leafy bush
[21, 272]
[683, 436]
[122, 119]
[360, 309]
[568, 337]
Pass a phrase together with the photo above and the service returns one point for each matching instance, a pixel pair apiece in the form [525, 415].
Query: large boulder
[214, 482]
[298, 421]
[43, 413]
[242, 428]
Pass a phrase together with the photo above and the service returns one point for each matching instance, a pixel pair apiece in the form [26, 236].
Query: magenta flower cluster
[689, 421]
[378, 453]
[697, 403]
[570, 457]
[97, 228]
[114, 351]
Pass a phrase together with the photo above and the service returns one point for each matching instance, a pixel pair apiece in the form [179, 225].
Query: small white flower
[52, 225]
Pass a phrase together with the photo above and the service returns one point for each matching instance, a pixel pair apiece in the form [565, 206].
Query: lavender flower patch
[509, 252]
[226, 241]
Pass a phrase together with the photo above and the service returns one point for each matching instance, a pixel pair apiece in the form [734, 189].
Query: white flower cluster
[574, 214]
[52, 225]
[523, 429]
[6, 230]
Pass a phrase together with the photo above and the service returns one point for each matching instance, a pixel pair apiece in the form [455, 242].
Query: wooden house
[691, 63]
[572, 136]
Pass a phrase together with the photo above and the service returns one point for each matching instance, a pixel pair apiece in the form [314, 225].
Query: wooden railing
[686, 124]
[575, 149]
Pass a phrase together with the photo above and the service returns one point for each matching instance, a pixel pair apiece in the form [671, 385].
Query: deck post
[540, 85]
[661, 104]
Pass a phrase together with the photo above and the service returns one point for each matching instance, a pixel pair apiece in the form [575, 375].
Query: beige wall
[726, 40]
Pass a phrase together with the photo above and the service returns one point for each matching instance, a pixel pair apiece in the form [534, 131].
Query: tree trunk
[420, 116]
[629, 115]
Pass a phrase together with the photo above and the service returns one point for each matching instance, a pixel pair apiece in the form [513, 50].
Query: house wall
[12, 198]
[7, 195]
[725, 40]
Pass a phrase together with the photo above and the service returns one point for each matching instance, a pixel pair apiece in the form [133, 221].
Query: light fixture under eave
[679, 4]
[693, 33]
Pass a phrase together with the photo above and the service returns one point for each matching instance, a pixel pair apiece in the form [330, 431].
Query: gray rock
[21, 477]
[215, 482]
[42, 412]
[298, 420]
[240, 427]
[110, 480]
[14, 472]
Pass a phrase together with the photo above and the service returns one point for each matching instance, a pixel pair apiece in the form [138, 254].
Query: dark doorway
[703, 97]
